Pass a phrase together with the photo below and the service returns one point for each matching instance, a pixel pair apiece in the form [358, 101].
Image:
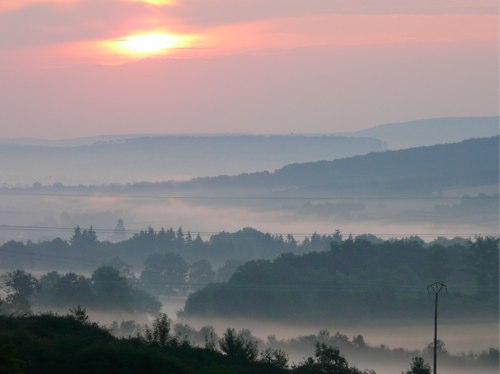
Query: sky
[72, 68]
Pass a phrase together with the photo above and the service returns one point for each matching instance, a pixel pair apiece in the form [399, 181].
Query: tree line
[359, 279]
[84, 251]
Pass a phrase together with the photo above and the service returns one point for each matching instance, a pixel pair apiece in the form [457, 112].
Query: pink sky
[71, 67]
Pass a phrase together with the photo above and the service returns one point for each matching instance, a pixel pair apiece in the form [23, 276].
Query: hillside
[52, 344]
[432, 131]
[448, 188]
[424, 169]
[168, 157]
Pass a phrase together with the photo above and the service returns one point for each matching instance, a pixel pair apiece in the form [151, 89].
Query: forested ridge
[359, 279]
[471, 162]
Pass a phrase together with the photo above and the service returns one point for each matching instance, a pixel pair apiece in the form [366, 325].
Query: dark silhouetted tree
[240, 346]
[111, 289]
[418, 366]
[275, 357]
[165, 273]
[73, 289]
[159, 333]
[79, 313]
[20, 287]
[201, 273]
[83, 240]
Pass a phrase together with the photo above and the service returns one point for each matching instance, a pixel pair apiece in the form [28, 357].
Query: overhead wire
[225, 197]
[239, 233]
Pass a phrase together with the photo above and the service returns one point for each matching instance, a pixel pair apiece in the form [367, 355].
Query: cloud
[12, 5]
[155, 2]
[54, 23]
[9, 6]
[235, 26]
[217, 12]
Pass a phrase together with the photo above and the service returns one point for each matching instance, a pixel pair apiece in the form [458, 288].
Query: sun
[149, 43]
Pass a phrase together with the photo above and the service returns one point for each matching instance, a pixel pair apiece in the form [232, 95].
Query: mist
[212, 244]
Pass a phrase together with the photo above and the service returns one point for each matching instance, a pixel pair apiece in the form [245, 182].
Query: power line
[226, 197]
[238, 233]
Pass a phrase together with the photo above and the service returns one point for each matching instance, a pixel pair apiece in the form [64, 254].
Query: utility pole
[436, 287]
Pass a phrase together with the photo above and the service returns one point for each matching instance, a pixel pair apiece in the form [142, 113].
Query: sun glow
[149, 44]
[155, 2]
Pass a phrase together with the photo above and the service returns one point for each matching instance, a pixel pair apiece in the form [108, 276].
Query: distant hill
[155, 158]
[161, 158]
[432, 131]
[472, 162]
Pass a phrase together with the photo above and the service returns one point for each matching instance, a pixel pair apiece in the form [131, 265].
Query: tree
[73, 289]
[275, 357]
[159, 333]
[241, 345]
[123, 267]
[111, 289]
[48, 284]
[79, 313]
[180, 236]
[327, 361]
[85, 239]
[438, 268]
[441, 348]
[164, 273]
[119, 233]
[418, 366]
[201, 273]
[20, 287]
[77, 237]
[359, 341]
[483, 263]
[210, 337]
[228, 269]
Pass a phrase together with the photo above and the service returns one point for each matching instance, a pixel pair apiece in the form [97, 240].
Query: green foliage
[356, 278]
[79, 313]
[328, 361]
[83, 240]
[55, 344]
[201, 274]
[9, 363]
[52, 344]
[418, 366]
[240, 346]
[20, 287]
[111, 289]
[159, 333]
[107, 289]
[275, 357]
[165, 273]
[441, 348]
[483, 263]
[70, 289]
[228, 269]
